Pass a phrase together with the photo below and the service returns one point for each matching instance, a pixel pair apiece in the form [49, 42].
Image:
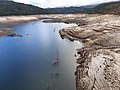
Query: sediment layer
[99, 59]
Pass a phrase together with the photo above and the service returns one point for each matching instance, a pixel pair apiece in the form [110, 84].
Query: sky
[61, 3]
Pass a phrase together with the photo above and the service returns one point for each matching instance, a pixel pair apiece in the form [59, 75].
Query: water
[29, 62]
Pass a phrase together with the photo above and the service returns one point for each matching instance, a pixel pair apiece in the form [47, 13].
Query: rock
[57, 74]
[15, 35]
[99, 64]
[5, 31]
[72, 39]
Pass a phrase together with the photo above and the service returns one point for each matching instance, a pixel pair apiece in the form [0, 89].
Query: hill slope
[107, 8]
[8, 8]
[14, 8]
[104, 8]
[70, 10]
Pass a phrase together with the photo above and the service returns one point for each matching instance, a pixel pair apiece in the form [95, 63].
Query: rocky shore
[99, 59]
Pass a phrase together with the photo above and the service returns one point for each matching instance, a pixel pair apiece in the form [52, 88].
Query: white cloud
[59, 3]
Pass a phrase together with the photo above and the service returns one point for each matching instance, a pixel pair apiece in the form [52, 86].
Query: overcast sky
[61, 3]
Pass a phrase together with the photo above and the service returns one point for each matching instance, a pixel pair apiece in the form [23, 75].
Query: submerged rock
[15, 35]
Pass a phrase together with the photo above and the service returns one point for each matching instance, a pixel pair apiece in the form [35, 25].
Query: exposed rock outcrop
[99, 60]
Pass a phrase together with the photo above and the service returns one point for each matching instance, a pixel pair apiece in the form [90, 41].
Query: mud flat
[99, 59]
[7, 21]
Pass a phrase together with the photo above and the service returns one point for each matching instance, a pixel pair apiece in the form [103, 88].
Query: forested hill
[107, 8]
[8, 8]
[13, 8]
[71, 10]
[104, 8]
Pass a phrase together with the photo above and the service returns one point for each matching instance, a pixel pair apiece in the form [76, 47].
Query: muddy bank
[99, 59]
[8, 32]
[5, 31]
[7, 21]
[67, 18]
[13, 20]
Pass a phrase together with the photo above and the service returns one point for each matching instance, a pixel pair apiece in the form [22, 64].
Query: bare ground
[7, 21]
[99, 59]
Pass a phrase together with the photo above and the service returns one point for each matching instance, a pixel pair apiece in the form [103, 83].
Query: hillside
[13, 8]
[107, 8]
[8, 8]
[71, 10]
[104, 8]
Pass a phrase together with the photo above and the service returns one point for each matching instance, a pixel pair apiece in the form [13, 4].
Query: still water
[29, 62]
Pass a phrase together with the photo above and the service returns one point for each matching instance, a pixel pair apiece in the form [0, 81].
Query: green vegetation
[71, 10]
[8, 8]
[106, 8]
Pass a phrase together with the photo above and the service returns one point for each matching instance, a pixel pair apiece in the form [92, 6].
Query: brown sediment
[5, 31]
[99, 61]
[7, 21]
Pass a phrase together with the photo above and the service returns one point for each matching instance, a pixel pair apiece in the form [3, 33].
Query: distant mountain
[107, 8]
[104, 8]
[71, 10]
[14, 8]
[8, 8]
